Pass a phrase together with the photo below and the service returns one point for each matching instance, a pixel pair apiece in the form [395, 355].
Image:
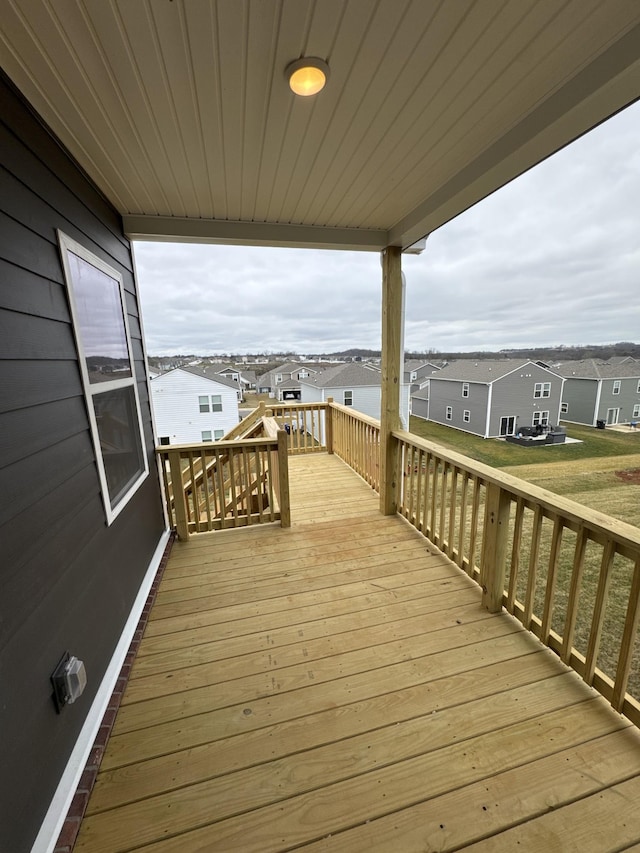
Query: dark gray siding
[513, 395]
[580, 397]
[448, 392]
[67, 580]
[419, 407]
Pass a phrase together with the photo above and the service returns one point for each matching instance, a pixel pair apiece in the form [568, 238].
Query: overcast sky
[552, 258]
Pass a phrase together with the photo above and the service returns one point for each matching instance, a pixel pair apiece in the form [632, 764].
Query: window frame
[638, 388]
[67, 246]
[448, 413]
[540, 417]
[636, 411]
[205, 432]
[216, 436]
[218, 399]
[617, 385]
[541, 390]
[564, 408]
[465, 389]
[466, 416]
[344, 398]
[204, 408]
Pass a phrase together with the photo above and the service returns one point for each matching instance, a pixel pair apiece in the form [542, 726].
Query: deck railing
[226, 484]
[569, 574]
[305, 425]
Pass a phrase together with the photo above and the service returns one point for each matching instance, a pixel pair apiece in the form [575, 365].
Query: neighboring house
[600, 391]
[419, 402]
[354, 385]
[290, 371]
[494, 398]
[189, 406]
[417, 372]
[288, 390]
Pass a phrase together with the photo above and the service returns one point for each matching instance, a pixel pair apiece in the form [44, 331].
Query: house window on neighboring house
[206, 434]
[616, 386]
[449, 413]
[466, 416]
[100, 325]
[564, 408]
[278, 378]
[636, 411]
[540, 419]
[413, 376]
[465, 389]
[216, 403]
[218, 434]
[638, 388]
[164, 439]
[542, 389]
[203, 403]
[348, 398]
[303, 374]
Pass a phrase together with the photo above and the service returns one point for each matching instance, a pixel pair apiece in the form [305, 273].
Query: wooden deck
[337, 687]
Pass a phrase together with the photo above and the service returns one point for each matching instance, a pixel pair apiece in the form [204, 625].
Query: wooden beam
[392, 320]
[283, 478]
[328, 425]
[494, 547]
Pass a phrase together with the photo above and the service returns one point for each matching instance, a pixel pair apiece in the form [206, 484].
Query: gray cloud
[552, 258]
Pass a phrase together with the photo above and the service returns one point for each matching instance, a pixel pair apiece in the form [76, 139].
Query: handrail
[305, 424]
[562, 569]
[226, 484]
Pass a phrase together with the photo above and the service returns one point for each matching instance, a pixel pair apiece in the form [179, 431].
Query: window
[348, 398]
[101, 330]
[638, 388]
[218, 434]
[413, 376]
[206, 434]
[542, 389]
[465, 389]
[616, 386]
[540, 418]
[303, 374]
[164, 439]
[564, 408]
[216, 403]
[278, 378]
[466, 416]
[449, 413]
[203, 402]
[636, 411]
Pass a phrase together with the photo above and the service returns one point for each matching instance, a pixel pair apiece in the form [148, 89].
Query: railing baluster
[462, 523]
[475, 521]
[443, 504]
[533, 567]
[628, 640]
[515, 555]
[552, 579]
[453, 506]
[604, 580]
[574, 594]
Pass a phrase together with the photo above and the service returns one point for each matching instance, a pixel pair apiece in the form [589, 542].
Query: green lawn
[499, 454]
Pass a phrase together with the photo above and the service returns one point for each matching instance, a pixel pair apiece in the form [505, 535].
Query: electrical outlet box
[69, 680]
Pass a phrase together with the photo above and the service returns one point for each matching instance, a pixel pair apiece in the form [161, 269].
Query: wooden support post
[392, 321]
[179, 498]
[283, 478]
[494, 547]
[328, 425]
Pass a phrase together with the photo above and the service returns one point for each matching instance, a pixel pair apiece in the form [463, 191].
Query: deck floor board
[337, 687]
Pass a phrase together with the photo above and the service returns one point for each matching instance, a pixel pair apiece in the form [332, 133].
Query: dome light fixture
[307, 76]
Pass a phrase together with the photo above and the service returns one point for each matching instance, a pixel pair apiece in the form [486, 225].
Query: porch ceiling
[179, 109]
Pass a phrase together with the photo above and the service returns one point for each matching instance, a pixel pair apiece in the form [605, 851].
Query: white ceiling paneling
[180, 111]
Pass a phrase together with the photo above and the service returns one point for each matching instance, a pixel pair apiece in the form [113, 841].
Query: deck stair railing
[234, 482]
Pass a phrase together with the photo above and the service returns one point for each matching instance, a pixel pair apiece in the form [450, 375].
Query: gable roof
[212, 375]
[181, 113]
[484, 371]
[351, 375]
[591, 368]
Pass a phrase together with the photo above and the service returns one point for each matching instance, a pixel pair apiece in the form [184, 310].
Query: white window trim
[541, 390]
[540, 417]
[636, 411]
[67, 244]
[617, 384]
[344, 398]
[217, 397]
[206, 432]
[448, 414]
[202, 397]
[638, 388]
[466, 416]
[564, 408]
[465, 389]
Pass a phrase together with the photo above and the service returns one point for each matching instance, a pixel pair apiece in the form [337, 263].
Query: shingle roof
[212, 375]
[485, 371]
[591, 368]
[344, 376]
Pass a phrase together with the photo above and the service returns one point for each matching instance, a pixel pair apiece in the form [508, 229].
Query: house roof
[211, 374]
[591, 368]
[351, 375]
[422, 394]
[484, 371]
[181, 113]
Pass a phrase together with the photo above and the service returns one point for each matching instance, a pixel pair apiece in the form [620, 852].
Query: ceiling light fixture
[307, 76]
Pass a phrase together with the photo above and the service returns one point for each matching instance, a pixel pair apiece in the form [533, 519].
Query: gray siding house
[494, 398]
[600, 391]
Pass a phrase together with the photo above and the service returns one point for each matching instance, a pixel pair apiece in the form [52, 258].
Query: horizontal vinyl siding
[177, 412]
[68, 581]
[625, 400]
[580, 397]
[513, 395]
[443, 393]
[419, 408]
